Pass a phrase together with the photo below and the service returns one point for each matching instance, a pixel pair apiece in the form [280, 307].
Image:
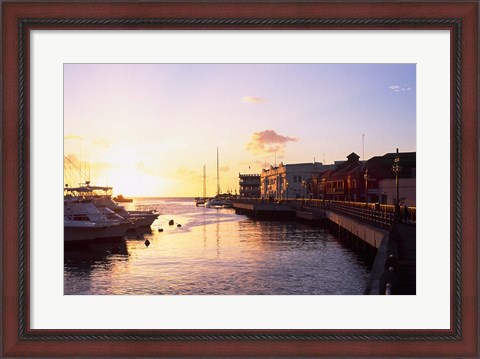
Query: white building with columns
[289, 180]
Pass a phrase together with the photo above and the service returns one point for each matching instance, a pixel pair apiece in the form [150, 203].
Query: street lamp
[348, 189]
[324, 189]
[397, 168]
[365, 176]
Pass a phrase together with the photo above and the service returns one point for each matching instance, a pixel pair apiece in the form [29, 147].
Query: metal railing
[377, 218]
[381, 218]
[372, 212]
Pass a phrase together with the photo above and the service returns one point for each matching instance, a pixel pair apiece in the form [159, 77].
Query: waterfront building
[345, 183]
[249, 185]
[371, 181]
[383, 178]
[290, 180]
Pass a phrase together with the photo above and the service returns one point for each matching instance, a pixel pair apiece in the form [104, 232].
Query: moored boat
[218, 203]
[120, 199]
[84, 222]
[200, 201]
[220, 200]
[100, 196]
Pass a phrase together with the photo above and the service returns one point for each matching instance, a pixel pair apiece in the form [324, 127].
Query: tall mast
[204, 182]
[218, 176]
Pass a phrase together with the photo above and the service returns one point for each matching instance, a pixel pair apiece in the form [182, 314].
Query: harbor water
[215, 252]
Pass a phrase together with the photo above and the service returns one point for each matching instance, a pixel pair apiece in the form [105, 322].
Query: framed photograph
[308, 112]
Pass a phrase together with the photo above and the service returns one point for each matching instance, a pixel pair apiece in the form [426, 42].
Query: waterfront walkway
[407, 259]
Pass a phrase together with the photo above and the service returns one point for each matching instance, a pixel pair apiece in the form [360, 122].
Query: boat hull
[218, 204]
[142, 219]
[86, 232]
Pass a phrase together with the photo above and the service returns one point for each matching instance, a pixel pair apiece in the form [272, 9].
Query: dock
[279, 212]
[265, 210]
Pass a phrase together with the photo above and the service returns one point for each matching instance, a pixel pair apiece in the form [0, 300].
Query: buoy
[160, 229]
[179, 225]
[170, 222]
[147, 242]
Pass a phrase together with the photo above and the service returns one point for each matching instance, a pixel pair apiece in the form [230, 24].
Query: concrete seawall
[371, 235]
[375, 237]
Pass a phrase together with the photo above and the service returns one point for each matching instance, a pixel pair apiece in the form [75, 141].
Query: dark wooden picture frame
[460, 18]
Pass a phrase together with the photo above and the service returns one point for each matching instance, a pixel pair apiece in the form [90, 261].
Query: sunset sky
[148, 129]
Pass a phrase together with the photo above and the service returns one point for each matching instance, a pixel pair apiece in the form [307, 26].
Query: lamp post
[365, 176]
[324, 190]
[349, 181]
[397, 168]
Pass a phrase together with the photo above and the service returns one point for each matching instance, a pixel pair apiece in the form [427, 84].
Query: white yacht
[218, 203]
[101, 197]
[138, 219]
[83, 221]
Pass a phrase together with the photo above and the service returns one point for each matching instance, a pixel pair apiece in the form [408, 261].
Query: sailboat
[200, 201]
[220, 200]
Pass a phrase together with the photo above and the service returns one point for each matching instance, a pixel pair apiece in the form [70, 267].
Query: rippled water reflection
[216, 252]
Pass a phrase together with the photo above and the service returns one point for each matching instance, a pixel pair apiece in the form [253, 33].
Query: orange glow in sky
[148, 129]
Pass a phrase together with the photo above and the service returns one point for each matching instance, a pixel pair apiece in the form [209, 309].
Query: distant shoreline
[157, 197]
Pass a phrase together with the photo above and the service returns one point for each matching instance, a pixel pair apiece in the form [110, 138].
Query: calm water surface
[215, 252]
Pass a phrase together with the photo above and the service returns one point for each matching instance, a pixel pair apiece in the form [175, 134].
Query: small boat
[200, 201]
[218, 202]
[120, 198]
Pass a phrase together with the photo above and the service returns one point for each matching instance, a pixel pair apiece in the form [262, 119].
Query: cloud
[73, 137]
[225, 168]
[268, 141]
[140, 165]
[101, 142]
[252, 99]
[397, 88]
[186, 172]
